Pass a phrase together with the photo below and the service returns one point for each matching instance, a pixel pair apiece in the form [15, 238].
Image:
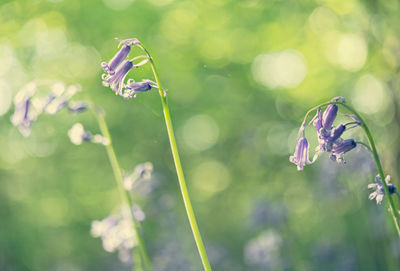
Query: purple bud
[329, 116]
[337, 132]
[115, 82]
[300, 156]
[318, 120]
[116, 60]
[342, 147]
[132, 88]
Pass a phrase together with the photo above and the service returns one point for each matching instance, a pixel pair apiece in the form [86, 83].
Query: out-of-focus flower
[78, 135]
[77, 107]
[264, 251]
[117, 233]
[29, 104]
[24, 111]
[141, 172]
[380, 190]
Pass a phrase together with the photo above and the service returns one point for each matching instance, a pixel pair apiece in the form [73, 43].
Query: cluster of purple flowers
[380, 190]
[329, 137]
[119, 66]
[28, 104]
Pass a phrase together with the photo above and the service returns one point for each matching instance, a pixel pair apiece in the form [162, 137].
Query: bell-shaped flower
[116, 81]
[301, 155]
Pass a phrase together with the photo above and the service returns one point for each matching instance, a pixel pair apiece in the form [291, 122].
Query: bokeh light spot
[200, 132]
[283, 69]
[351, 52]
[209, 178]
[369, 94]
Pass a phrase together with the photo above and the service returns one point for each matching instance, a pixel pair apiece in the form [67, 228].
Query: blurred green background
[240, 76]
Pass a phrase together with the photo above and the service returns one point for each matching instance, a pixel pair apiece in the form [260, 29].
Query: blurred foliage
[240, 75]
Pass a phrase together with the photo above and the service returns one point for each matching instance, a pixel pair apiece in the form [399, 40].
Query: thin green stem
[123, 193]
[392, 207]
[179, 170]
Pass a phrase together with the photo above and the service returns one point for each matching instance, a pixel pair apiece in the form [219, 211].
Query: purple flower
[380, 190]
[116, 60]
[113, 64]
[25, 113]
[116, 81]
[340, 147]
[336, 133]
[132, 87]
[300, 156]
[329, 116]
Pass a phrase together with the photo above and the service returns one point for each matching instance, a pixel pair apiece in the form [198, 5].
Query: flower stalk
[124, 195]
[178, 167]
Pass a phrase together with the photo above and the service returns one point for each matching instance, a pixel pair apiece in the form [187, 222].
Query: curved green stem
[123, 193]
[179, 170]
[392, 207]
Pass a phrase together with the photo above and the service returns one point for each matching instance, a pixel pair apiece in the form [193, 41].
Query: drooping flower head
[329, 136]
[118, 68]
[379, 192]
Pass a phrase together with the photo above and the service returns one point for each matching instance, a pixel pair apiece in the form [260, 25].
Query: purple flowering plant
[115, 76]
[330, 141]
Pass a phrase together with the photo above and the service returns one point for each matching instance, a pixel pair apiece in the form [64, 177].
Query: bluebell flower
[340, 147]
[380, 190]
[25, 113]
[329, 116]
[132, 87]
[116, 81]
[119, 57]
[301, 156]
